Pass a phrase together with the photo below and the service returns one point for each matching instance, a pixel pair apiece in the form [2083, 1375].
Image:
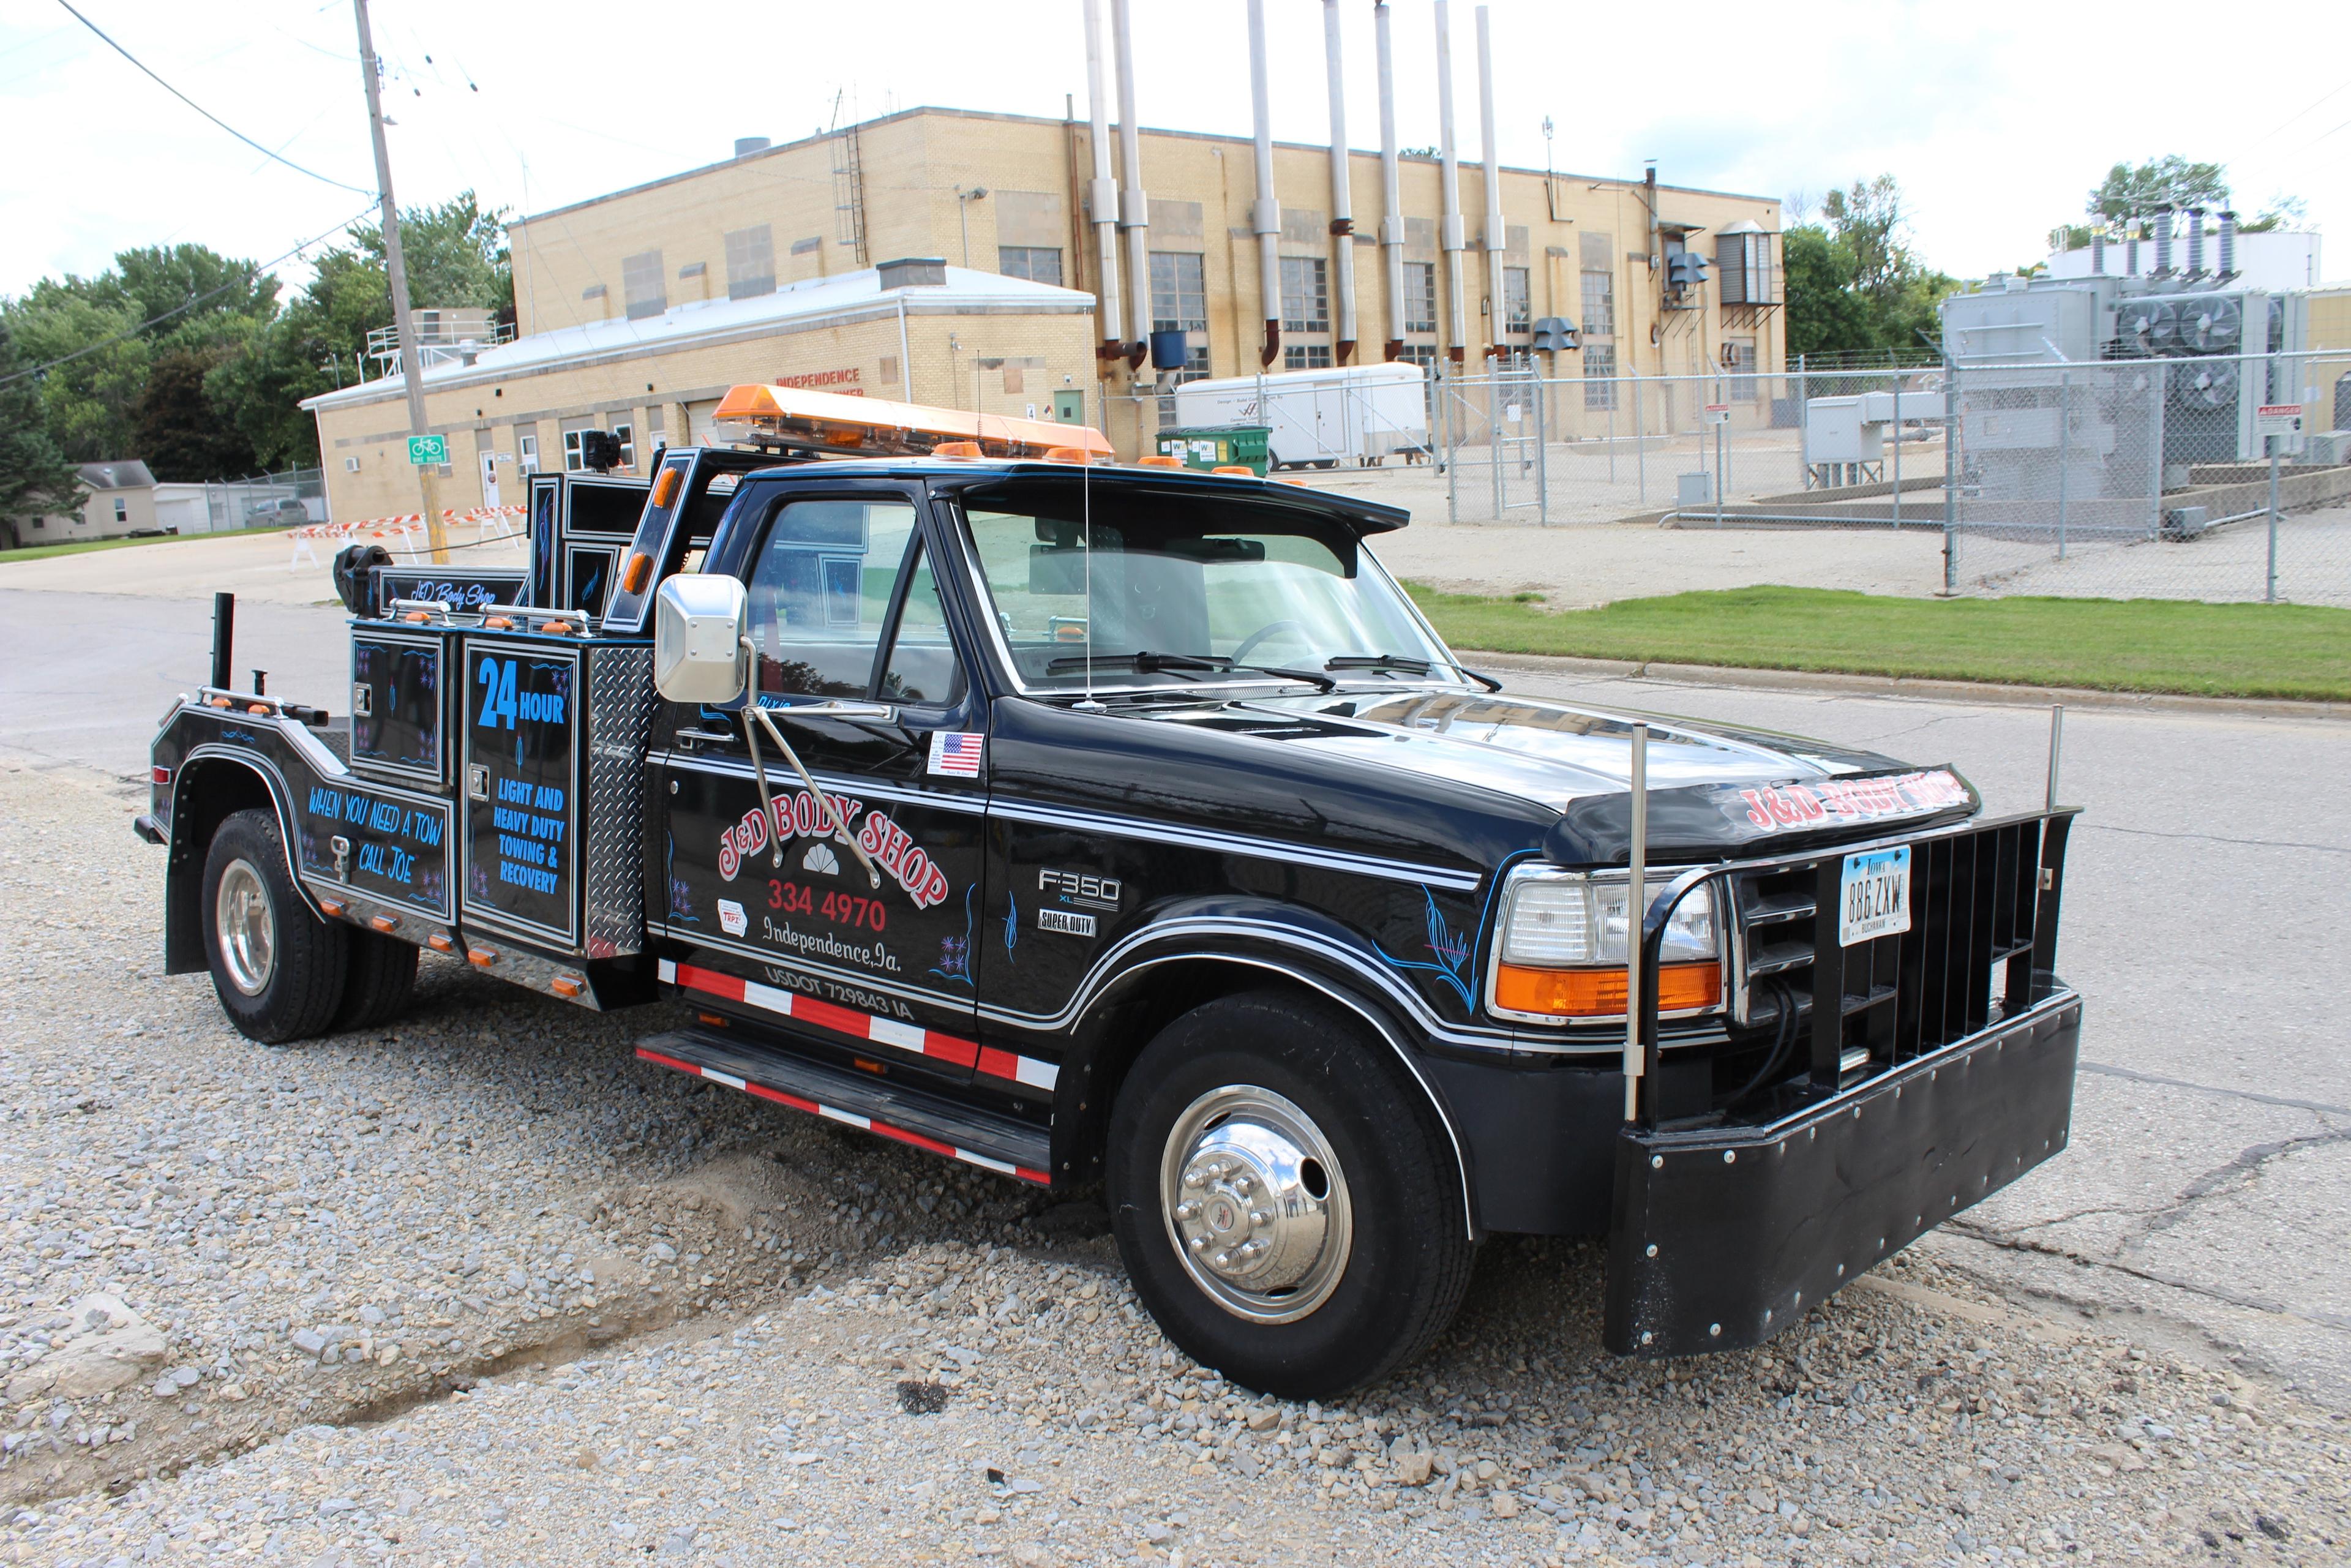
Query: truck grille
[1977, 911]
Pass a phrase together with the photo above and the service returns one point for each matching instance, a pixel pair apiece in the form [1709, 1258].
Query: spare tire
[354, 571]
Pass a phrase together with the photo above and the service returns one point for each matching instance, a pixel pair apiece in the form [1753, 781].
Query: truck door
[843, 605]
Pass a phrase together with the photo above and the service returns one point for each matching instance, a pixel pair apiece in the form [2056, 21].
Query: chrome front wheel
[1255, 1203]
[245, 927]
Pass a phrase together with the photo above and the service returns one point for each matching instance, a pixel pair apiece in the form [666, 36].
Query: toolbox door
[843, 605]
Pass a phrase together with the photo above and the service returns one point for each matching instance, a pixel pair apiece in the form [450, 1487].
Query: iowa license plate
[1873, 895]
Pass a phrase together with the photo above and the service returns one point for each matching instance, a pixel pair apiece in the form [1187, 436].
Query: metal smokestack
[2163, 241]
[1134, 207]
[1342, 208]
[2195, 242]
[1391, 185]
[1102, 194]
[1497, 237]
[1449, 236]
[2228, 243]
[1265, 213]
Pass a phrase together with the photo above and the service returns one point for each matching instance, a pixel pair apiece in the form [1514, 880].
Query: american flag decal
[956, 753]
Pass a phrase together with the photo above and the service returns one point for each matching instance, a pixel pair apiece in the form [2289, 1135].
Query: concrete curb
[1982, 693]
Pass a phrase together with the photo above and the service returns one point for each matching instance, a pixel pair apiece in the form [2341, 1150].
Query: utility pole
[411, 367]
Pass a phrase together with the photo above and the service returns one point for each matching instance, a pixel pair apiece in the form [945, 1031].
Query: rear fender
[209, 788]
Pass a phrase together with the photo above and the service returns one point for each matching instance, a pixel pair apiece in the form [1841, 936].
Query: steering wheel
[1242, 653]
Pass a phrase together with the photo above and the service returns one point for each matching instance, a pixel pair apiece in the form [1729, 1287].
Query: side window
[819, 593]
[923, 665]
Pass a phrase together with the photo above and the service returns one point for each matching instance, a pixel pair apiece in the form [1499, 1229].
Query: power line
[216, 119]
[247, 276]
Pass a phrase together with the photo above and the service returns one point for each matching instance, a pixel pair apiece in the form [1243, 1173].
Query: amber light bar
[870, 425]
[1600, 993]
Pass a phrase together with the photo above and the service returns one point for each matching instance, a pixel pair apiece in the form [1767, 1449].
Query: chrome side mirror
[699, 621]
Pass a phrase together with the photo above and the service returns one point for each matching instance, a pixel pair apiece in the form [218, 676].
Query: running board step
[884, 1109]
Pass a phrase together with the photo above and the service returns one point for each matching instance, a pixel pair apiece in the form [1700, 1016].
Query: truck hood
[1713, 788]
[1548, 753]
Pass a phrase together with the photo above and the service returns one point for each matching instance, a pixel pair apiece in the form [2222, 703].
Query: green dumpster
[1219, 446]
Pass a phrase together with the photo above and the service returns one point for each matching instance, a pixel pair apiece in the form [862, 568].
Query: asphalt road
[2205, 1200]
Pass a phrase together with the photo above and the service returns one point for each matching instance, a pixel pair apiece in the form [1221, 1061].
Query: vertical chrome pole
[1635, 906]
[2056, 748]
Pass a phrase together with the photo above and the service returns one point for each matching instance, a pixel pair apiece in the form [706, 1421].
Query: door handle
[693, 739]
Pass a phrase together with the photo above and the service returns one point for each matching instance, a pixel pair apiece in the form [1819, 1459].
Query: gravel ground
[477, 1288]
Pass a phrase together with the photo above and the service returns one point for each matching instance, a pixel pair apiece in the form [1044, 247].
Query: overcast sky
[1996, 118]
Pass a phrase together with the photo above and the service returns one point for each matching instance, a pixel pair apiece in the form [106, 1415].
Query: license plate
[1874, 896]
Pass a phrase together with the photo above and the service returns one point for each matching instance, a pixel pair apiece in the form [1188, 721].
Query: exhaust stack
[1497, 237]
[2228, 245]
[1391, 185]
[1449, 237]
[1102, 196]
[1342, 209]
[1265, 213]
[1134, 206]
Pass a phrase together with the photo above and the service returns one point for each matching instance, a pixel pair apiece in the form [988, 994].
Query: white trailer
[1357, 414]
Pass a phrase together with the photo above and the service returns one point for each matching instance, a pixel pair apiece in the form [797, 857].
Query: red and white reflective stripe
[994, 1064]
[864, 1123]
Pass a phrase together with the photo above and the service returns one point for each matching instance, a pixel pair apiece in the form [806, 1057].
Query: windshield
[1181, 588]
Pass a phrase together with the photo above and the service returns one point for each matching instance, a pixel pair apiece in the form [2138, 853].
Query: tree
[35, 476]
[183, 433]
[2134, 191]
[455, 254]
[1854, 284]
[109, 328]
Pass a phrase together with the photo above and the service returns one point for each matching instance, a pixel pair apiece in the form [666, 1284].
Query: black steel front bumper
[1722, 1236]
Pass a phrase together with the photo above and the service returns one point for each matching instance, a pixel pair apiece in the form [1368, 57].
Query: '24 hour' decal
[802, 816]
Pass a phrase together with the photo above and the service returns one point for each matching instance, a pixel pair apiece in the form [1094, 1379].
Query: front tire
[277, 969]
[1286, 1205]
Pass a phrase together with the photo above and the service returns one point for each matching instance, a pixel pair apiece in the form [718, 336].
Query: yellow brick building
[609, 292]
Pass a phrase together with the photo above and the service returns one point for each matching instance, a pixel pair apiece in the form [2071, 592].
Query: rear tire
[1271, 1122]
[382, 973]
[277, 969]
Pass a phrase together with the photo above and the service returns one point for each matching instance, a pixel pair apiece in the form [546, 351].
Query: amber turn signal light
[1159, 460]
[482, 958]
[640, 572]
[955, 449]
[666, 488]
[1600, 993]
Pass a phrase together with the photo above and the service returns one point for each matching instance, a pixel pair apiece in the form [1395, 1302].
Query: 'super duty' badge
[1068, 922]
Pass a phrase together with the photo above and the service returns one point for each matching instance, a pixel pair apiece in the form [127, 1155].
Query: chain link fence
[292, 498]
[2116, 479]
[2150, 478]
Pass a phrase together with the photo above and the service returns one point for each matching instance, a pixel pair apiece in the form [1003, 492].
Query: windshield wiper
[1408, 666]
[1144, 663]
[1379, 662]
[1182, 664]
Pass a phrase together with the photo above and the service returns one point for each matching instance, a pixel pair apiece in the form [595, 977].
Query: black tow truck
[1122, 824]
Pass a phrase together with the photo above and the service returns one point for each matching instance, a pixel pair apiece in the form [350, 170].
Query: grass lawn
[82, 547]
[2112, 645]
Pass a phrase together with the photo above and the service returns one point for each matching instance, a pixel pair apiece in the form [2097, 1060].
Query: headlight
[1561, 951]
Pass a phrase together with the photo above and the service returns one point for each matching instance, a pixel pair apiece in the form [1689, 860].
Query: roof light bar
[795, 417]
